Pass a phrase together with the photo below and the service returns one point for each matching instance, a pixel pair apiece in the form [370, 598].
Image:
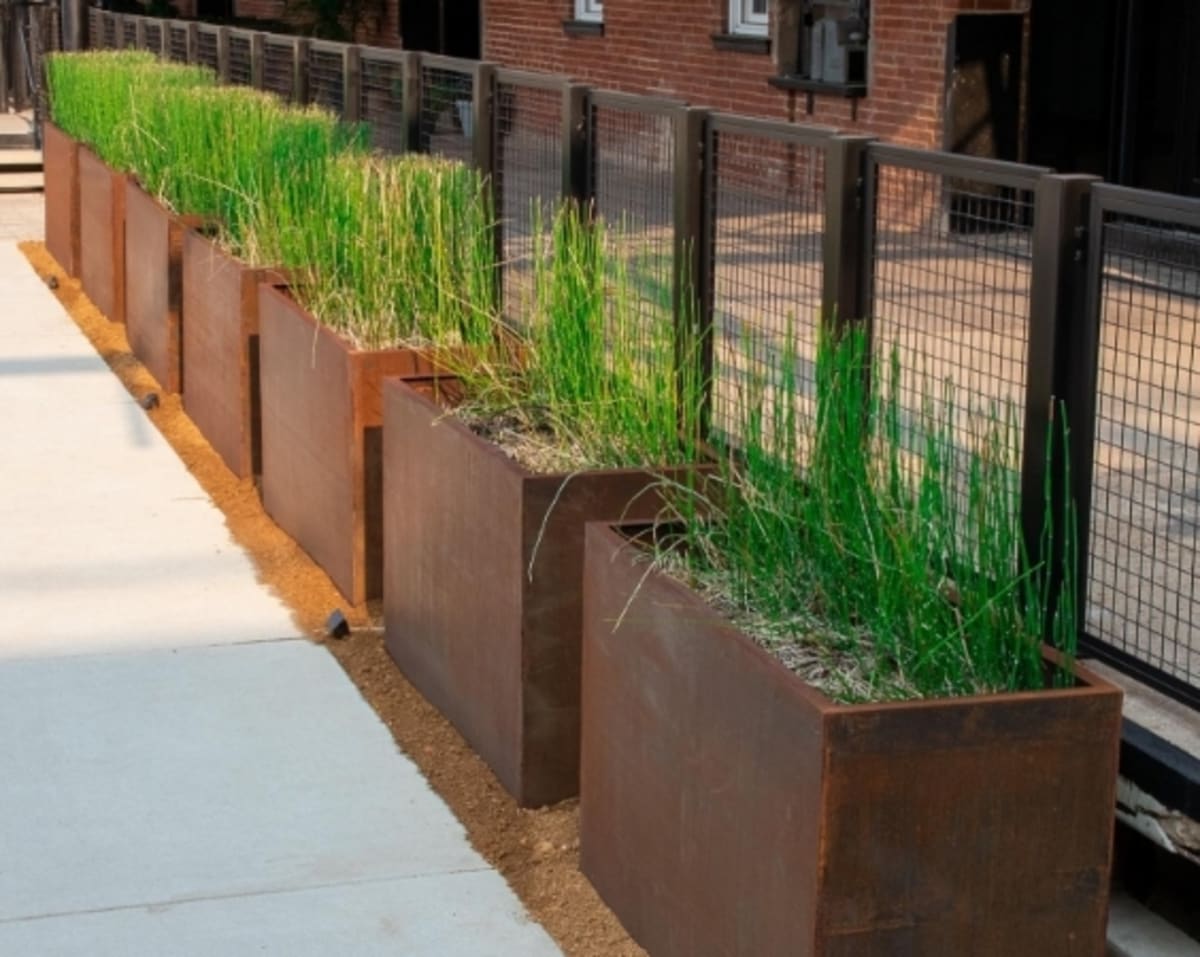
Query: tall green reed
[387, 250]
[895, 551]
[594, 375]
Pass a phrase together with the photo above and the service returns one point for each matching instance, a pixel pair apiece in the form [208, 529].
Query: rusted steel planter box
[321, 439]
[60, 165]
[730, 808]
[482, 573]
[102, 234]
[154, 284]
[220, 350]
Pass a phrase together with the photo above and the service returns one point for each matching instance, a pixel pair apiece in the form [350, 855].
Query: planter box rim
[282, 289]
[446, 416]
[1089, 684]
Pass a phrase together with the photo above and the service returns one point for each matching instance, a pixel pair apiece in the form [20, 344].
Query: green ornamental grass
[879, 570]
[590, 380]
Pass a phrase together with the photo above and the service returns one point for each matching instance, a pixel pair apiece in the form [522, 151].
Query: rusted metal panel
[482, 573]
[60, 163]
[728, 808]
[320, 403]
[154, 284]
[220, 350]
[102, 234]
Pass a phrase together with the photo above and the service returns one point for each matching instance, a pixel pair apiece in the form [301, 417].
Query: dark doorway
[1114, 90]
[450, 27]
[983, 110]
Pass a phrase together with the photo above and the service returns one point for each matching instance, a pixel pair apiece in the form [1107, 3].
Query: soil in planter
[536, 851]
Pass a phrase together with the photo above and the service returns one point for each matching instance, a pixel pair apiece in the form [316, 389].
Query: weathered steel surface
[60, 163]
[102, 234]
[320, 424]
[153, 285]
[482, 582]
[220, 350]
[728, 808]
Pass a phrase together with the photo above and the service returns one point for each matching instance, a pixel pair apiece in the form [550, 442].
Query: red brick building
[758, 57]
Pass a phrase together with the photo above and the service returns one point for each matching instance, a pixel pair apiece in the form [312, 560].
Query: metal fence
[1029, 291]
[27, 32]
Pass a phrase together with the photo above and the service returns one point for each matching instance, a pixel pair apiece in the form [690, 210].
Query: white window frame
[743, 21]
[592, 10]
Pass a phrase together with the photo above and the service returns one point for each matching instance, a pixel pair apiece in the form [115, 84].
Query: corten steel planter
[102, 234]
[220, 350]
[482, 573]
[154, 284]
[730, 808]
[321, 439]
[60, 165]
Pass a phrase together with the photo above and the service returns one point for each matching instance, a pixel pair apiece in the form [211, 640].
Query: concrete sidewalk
[180, 772]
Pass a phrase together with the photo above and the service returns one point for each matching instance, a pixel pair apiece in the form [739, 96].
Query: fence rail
[1031, 291]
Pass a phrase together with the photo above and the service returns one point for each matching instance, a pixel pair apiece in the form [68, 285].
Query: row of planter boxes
[727, 807]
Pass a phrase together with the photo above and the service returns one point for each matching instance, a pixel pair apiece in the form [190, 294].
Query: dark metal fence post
[691, 296]
[412, 102]
[575, 171]
[1058, 321]
[223, 55]
[484, 143]
[300, 70]
[258, 53]
[844, 251]
[352, 84]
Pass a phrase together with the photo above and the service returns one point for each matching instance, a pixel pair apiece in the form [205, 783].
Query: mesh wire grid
[326, 78]
[528, 180]
[177, 43]
[96, 26]
[381, 101]
[952, 264]
[279, 67]
[108, 30]
[447, 118]
[1142, 594]
[129, 33]
[632, 171]
[206, 49]
[767, 218]
[153, 33]
[241, 70]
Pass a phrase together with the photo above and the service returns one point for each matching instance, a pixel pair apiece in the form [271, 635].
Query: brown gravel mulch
[536, 851]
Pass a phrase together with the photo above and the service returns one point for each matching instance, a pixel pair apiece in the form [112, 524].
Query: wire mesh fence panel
[527, 177]
[153, 34]
[96, 26]
[241, 67]
[326, 77]
[381, 100]
[108, 31]
[447, 117]
[631, 158]
[1142, 596]
[206, 48]
[129, 33]
[279, 67]
[766, 221]
[951, 265]
[177, 42]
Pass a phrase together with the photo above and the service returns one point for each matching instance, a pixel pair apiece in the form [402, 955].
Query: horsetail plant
[890, 563]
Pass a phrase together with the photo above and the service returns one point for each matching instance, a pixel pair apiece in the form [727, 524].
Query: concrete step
[27, 182]
[21, 161]
[1135, 931]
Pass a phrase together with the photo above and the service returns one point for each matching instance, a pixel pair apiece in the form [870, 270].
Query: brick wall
[667, 48]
